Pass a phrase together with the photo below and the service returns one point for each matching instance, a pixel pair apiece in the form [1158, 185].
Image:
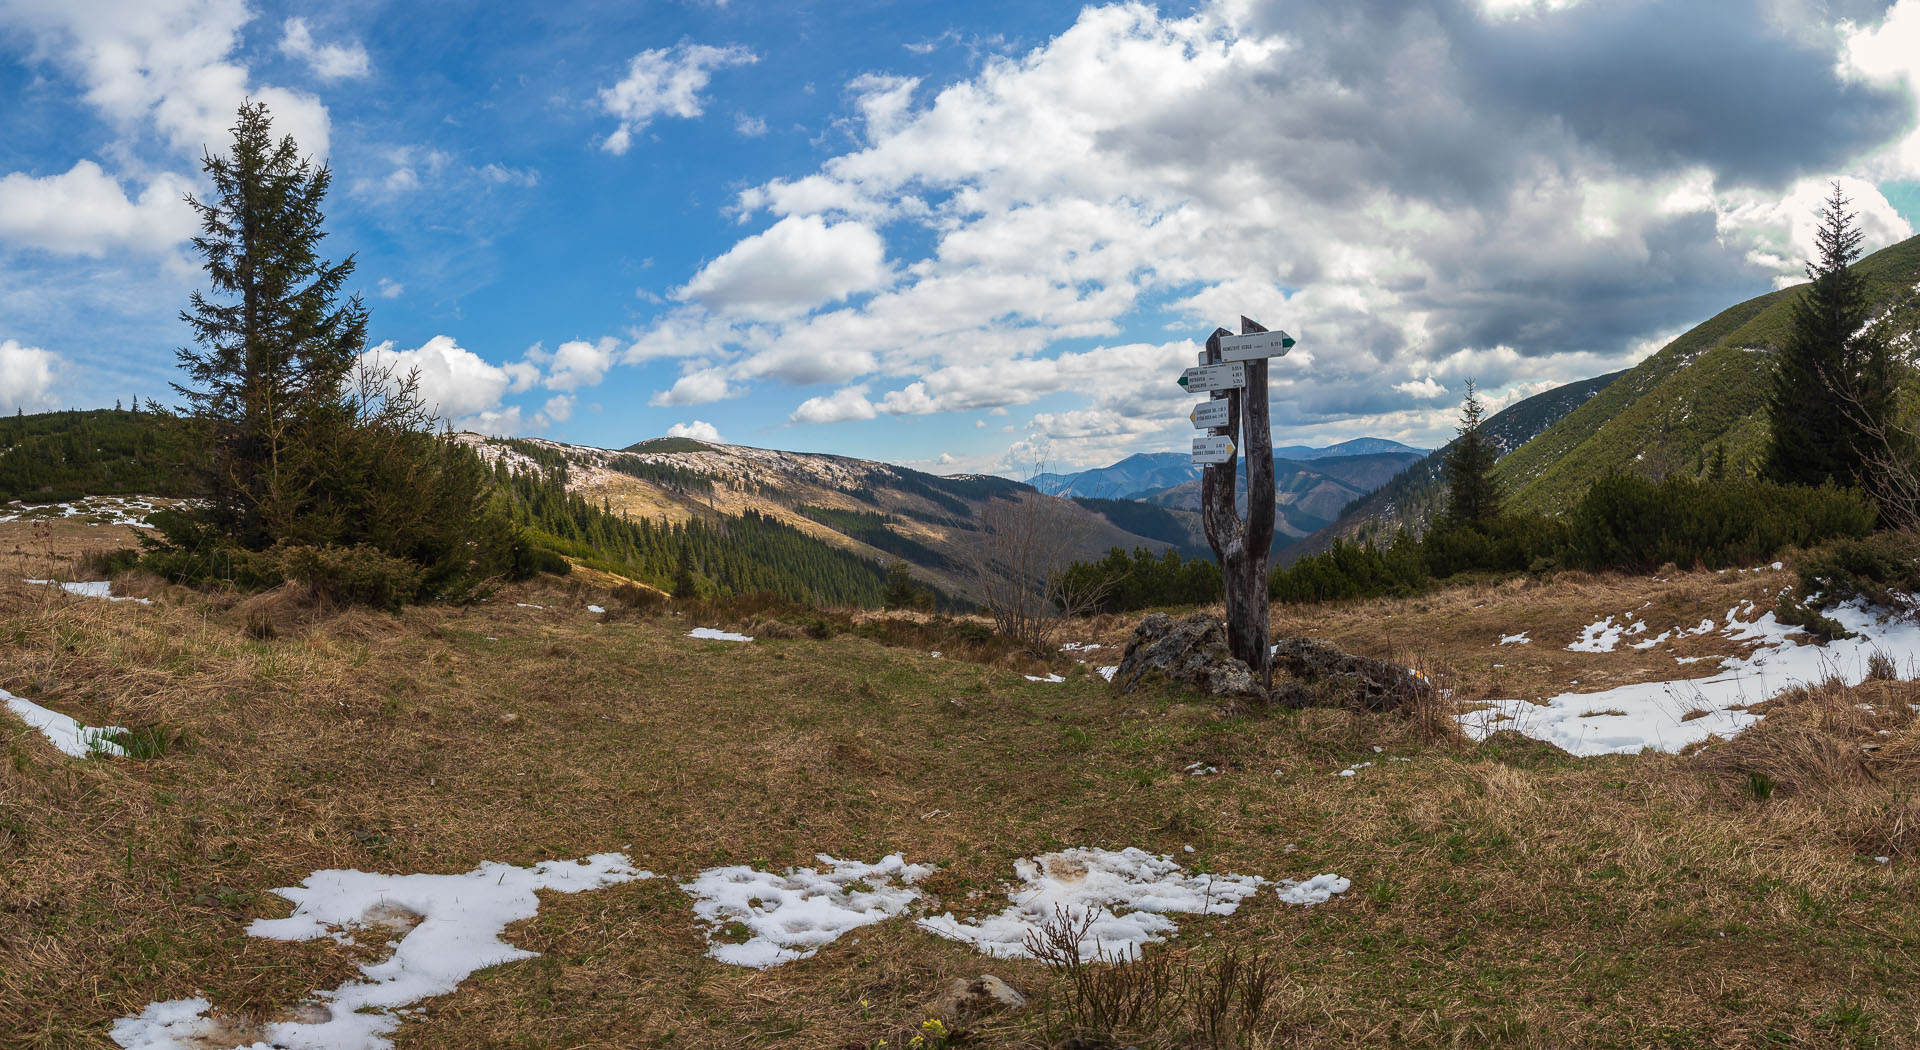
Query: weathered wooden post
[1234, 370]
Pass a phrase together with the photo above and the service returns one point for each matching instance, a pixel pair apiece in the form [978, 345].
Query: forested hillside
[1666, 415]
[1413, 496]
[51, 457]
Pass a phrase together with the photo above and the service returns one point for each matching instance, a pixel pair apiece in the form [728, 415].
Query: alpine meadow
[1194, 525]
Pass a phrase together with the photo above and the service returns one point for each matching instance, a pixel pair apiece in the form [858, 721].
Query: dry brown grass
[1504, 895]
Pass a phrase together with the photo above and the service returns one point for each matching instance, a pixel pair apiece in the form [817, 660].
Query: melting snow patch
[760, 919]
[1049, 678]
[1515, 639]
[1631, 718]
[91, 589]
[1201, 769]
[717, 636]
[1598, 637]
[1121, 899]
[1309, 892]
[445, 926]
[1108, 672]
[1080, 647]
[1353, 769]
[69, 736]
[595, 609]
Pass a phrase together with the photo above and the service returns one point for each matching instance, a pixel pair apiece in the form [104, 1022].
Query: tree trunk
[1243, 546]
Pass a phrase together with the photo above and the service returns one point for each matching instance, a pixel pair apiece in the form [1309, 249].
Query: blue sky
[964, 237]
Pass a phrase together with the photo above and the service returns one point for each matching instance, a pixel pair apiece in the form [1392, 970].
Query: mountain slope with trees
[1706, 389]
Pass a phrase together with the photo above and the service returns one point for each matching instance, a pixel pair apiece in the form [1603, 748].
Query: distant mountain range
[1148, 473]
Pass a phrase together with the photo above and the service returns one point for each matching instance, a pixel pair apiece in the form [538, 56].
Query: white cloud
[27, 375]
[1424, 389]
[558, 408]
[328, 61]
[749, 127]
[577, 363]
[455, 382]
[1444, 227]
[839, 406]
[1888, 54]
[698, 430]
[697, 388]
[664, 81]
[499, 422]
[165, 65]
[388, 288]
[84, 211]
[799, 263]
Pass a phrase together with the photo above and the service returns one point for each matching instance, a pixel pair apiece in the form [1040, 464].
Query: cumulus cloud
[698, 430]
[837, 407]
[164, 65]
[387, 288]
[799, 263]
[664, 81]
[559, 408]
[27, 375]
[1530, 189]
[696, 388]
[455, 382]
[85, 211]
[575, 363]
[328, 61]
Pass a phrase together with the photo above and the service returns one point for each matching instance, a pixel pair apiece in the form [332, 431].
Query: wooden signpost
[1242, 546]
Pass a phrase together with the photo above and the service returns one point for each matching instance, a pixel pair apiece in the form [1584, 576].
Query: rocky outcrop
[1191, 653]
[1319, 674]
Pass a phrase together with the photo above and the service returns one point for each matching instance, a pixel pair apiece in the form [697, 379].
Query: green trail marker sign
[1214, 377]
[1255, 346]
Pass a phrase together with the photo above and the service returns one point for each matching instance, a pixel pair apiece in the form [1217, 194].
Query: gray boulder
[962, 1000]
[1191, 653]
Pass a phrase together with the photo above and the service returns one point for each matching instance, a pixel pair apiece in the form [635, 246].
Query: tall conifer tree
[1833, 385]
[273, 349]
[1473, 497]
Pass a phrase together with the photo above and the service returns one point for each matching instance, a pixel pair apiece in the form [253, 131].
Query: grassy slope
[1501, 897]
[1667, 413]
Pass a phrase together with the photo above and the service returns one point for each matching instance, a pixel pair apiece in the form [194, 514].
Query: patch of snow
[595, 609]
[1201, 769]
[717, 636]
[1515, 639]
[792, 916]
[1353, 769]
[1309, 892]
[1048, 678]
[529, 605]
[1598, 637]
[91, 589]
[1081, 647]
[448, 926]
[935, 655]
[1107, 672]
[1123, 899]
[1651, 713]
[72, 738]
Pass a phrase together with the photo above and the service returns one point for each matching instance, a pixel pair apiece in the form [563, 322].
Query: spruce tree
[273, 349]
[1473, 497]
[1833, 387]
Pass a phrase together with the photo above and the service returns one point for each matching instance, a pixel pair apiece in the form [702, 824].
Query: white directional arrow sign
[1213, 448]
[1215, 377]
[1255, 346]
[1209, 414]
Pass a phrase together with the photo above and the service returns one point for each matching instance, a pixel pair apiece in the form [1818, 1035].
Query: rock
[1323, 674]
[1191, 652]
[962, 1000]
